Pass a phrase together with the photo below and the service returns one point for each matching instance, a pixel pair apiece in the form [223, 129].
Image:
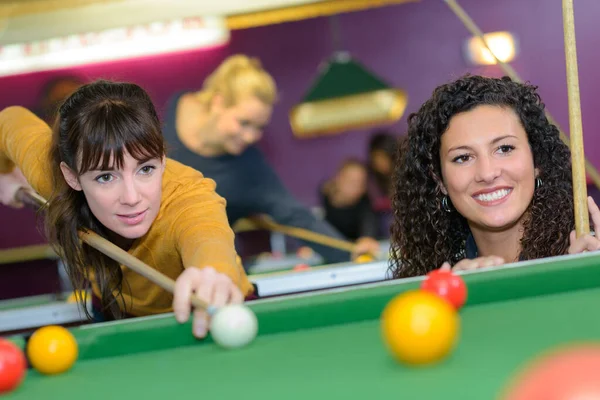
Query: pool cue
[508, 70]
[267, 223]
[30, 198]
[27, 253]
[582, 219]
[116, 253]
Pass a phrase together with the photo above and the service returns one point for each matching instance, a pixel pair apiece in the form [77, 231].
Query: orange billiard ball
[419, 327]
[12, 366]
[52, 350]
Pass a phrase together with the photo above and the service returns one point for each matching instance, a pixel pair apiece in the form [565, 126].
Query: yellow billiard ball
[52, 350]
[78, 294]
[364, 258]
[419, 327]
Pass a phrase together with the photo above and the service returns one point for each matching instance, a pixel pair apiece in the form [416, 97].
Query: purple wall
[417, 47]
[414, 46]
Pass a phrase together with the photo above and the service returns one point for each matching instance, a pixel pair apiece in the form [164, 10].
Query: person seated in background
[381, 156]
[346, 204]
[215, 130]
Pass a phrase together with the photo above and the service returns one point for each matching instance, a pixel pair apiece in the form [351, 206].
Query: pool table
[32, 312]
[328, 344]
[261, 265]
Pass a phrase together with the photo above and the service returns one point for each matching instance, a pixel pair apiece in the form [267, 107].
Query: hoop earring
[538, 183]
[445, 205]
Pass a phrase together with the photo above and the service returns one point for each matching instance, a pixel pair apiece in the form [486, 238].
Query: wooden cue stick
[30, 198]
[27, 253]
[582, 223]
[508, 70]
[121, 256]
[300, 233]
[118, 254]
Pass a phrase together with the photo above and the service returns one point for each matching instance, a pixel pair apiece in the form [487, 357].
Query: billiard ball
[301, 267]
[566, 373]
[364, 258]
[52, 350]
[419, 327]
[12, 366]
[447, 285]
[75, 296]
[233, 326]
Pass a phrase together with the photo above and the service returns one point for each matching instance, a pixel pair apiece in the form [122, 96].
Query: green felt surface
[344, 360]
[329, 346]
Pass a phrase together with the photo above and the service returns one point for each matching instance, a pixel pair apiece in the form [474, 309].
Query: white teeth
[497, 195]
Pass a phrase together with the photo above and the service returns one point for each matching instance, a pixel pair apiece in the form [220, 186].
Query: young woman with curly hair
[483, 179]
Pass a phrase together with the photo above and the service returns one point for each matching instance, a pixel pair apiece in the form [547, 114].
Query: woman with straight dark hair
[103, 168]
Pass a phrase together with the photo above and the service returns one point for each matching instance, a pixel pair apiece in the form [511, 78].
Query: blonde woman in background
[215, 131]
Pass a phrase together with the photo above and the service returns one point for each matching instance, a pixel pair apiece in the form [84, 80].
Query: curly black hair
[424, 235]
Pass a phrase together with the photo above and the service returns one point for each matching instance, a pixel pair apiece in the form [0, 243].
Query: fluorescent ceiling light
[113, 44]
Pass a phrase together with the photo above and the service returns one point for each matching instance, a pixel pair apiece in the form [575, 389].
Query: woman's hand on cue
[10, 184]
[207, 284]
[366, 245]
[476, 263]
[587, 242]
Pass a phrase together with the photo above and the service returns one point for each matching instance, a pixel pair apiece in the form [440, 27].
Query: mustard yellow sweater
[191, 228]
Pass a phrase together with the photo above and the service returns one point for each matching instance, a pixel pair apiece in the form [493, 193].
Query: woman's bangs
[107, 138]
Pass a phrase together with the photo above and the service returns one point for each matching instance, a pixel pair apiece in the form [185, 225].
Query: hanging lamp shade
[346, 96]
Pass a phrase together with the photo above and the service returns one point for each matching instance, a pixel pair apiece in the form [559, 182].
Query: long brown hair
[96, 125]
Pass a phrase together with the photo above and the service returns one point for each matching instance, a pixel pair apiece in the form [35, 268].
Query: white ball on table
[233, 326]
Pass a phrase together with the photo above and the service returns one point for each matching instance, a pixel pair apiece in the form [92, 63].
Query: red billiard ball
[446, 285]
[568, 372]
[12, 366]
[301, 267]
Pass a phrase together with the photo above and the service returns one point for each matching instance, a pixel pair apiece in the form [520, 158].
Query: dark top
[251, 187]
[471, 250]
[355, 221]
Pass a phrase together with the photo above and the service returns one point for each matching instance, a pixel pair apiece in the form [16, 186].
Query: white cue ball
[233, 326]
